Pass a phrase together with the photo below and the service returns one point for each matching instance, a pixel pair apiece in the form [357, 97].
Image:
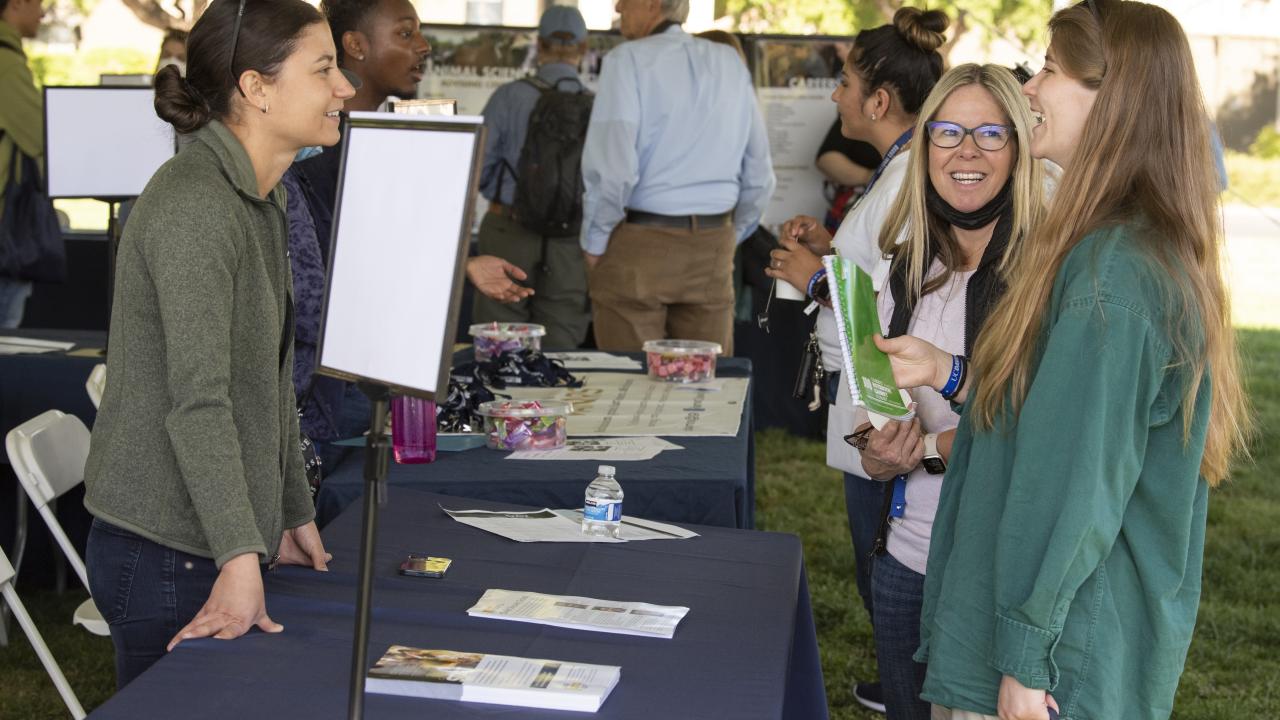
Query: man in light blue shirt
[676, 171]
[553, 263]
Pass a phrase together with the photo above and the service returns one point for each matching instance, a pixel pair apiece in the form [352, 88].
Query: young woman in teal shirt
[1102, 401]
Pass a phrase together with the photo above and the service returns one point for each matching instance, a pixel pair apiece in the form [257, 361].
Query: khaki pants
[941, 713]
[657, 282]
[557, 274]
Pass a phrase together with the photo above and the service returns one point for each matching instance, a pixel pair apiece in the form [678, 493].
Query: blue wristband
[952, 387]
[813, 282]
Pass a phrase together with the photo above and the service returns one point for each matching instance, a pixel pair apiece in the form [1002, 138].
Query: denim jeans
[899, 593]
[863, 500]
[147, 593]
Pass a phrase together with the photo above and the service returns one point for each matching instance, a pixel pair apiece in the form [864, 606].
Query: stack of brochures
[581, 613]
[496, 679]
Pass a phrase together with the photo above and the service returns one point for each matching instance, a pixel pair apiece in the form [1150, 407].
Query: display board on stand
[397, 264]
[397, 259]
[103, 142]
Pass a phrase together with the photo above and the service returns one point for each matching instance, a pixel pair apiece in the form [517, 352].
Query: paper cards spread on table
[561, 526]
[601, 449]
[497, 679]
[31, 346]
[853, 301]
[628, 404]
[589, 360]
[580, 613]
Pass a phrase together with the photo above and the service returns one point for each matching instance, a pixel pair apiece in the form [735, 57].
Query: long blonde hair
[910, 212]
[1144, 153]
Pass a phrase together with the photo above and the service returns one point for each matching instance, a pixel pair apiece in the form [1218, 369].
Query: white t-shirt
[858, 239]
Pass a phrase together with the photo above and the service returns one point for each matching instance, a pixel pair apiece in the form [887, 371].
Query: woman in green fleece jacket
[194, 475]
[1104, 399]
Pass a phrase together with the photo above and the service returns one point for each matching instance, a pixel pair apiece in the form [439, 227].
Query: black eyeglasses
[988, 137]
[235, 40]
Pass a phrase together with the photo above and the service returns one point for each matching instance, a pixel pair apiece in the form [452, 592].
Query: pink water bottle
[413, 429]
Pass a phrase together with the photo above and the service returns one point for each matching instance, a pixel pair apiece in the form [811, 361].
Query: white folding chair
[37, 641]
[97, 383]
[48, 454]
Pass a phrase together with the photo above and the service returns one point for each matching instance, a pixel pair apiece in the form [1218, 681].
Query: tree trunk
[150, 12]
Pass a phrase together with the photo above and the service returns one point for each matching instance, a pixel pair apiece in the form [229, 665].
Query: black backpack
[549, 173]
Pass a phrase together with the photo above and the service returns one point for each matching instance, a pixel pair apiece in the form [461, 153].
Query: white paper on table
[580, 613]
[634, 528]
[625, 449]
[561, 526]
[631, 405]
[30, 346]
[590, 360]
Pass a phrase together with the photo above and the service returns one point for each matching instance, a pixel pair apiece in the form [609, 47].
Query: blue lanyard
[899, 505]
[898, 144]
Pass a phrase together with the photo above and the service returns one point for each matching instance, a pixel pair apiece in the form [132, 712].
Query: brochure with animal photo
[494, 679]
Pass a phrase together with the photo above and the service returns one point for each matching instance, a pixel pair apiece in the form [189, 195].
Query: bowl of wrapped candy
[682, 361]
[525, 424]
[493, 339]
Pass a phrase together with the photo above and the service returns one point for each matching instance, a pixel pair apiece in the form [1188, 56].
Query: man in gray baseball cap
[533, 221]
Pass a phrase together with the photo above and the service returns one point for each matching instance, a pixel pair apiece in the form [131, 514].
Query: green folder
[853, 299]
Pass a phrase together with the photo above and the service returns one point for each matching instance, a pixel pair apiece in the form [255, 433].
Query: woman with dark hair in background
[886, 78]
[194, 475]
[1104, 400]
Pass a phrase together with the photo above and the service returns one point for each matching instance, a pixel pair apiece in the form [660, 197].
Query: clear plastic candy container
[493, 339]
[684, 361]
[525, 425]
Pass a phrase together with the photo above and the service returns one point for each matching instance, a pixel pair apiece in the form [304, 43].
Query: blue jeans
[863, 501]
[147, 593]
[13, 301]
[899, 593]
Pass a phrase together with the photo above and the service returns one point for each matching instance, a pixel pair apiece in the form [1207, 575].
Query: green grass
[1233, 670]
[1254, 179]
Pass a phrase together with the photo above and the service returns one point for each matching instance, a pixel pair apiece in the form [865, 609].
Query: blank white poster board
[401, 230]
[103, 142]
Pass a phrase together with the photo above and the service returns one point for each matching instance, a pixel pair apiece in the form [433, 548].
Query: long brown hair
[1144, 153]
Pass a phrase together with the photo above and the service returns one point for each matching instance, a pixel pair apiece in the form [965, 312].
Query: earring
[360, 58]
[873, 117]
[264, 109]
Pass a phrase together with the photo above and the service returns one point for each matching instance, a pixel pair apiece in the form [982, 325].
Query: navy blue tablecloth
[710, 482]
[747, 649]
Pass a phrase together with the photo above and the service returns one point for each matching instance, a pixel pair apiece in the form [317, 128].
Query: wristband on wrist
[955, 381]
[813, 282]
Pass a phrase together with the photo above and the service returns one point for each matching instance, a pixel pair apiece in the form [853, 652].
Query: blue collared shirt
[506, 120]
[675, 130]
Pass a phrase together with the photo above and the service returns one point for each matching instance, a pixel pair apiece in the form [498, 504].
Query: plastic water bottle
[413, 429]
[602, 511]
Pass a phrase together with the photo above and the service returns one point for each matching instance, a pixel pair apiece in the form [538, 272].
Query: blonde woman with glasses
[1102, 401]
[971, 195]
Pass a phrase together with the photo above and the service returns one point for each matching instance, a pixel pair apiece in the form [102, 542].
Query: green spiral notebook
[853, 299]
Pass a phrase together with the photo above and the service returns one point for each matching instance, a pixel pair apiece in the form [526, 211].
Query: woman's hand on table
[302, 546]
[894, 449]
[236, 603]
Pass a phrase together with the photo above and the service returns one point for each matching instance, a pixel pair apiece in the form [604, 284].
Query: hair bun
[922, 28]
[178, 104]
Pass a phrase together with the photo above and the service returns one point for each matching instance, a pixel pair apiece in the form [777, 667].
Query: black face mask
[981, 217]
